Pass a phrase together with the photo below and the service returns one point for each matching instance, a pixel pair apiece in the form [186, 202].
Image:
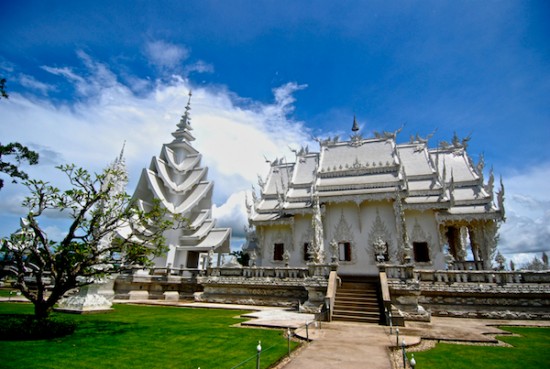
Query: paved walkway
[345, 346]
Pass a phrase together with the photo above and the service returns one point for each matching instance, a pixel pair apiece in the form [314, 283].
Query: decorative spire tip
[355, 126]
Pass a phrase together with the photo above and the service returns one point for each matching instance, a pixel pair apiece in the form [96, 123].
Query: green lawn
[531, 351]
[7, 292]
[146, 337]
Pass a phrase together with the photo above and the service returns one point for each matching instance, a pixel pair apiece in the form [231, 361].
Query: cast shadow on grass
[25, 327]
[22, 327]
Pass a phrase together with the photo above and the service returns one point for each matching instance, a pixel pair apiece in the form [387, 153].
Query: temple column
[476, 242]
[403, 247]
[489, 243]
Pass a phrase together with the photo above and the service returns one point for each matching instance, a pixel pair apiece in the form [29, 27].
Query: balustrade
[259, 272]
[272, 272]
[463, 275]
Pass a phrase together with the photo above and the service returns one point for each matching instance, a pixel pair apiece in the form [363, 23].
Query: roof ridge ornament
[355, 126]
[355, 137]
[417, 139]
[386, 135]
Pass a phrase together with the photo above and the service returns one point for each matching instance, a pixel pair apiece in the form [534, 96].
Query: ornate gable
[379, 231]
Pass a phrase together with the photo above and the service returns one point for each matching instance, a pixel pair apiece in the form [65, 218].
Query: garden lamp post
[413, 362]
[397, 337]
[403, 344]
[288, 337]
[259, 349]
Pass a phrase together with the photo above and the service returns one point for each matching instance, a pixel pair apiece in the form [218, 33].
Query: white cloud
[31, 83]
[233, 135]
[232, 214]
[199, 67]
[63, 72]
[165, 55]
[233, 138]
[526, 232]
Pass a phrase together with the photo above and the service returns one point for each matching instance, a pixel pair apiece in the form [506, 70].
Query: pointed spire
[184, 126]
[121, 156]
[185, 121]
[355, 126]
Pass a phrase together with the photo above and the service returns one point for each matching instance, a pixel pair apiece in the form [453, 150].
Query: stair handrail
[385, 290]
[333, 282]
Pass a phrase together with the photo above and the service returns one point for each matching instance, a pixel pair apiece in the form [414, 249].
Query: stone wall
[264, 294]
[156, 286]
[289, 292]
[475, 300]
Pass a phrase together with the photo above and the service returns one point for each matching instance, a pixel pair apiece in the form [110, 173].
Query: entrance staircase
[358, 300]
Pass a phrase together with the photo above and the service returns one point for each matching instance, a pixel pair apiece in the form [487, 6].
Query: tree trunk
[42, 309]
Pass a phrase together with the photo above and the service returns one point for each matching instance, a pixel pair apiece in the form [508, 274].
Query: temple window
[278, 251]
[421, 252]
[307, 256]
[344, 251]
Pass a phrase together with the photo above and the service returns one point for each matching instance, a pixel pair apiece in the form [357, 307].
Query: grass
[8, 292]
[531, 350]
[146, 337]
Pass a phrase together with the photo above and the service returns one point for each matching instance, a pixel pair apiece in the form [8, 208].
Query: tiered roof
[177, 180]
[444, 179]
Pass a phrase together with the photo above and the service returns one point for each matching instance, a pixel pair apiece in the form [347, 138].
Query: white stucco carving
[379, 233]
[177, 179]
[367, 190]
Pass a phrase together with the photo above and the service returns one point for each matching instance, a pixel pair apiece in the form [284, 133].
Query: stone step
[357, 301]
[357, 298]
[358, 285]
[356, 294]
[356, 312]
[357, 305]
[357, 319]
[372, 300]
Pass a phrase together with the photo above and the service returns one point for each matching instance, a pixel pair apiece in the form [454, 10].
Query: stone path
[344, 346]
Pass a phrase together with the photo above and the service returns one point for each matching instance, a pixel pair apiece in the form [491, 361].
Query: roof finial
[188, 107]
[121, 156]
[355, 126]
[184, 126]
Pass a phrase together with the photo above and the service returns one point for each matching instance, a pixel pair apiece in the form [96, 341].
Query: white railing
[407, 272]
[402, 272]
[271, 272]
[467, 265]
[164, 272]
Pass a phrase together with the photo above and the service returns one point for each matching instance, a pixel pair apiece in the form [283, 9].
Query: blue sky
[84, 77]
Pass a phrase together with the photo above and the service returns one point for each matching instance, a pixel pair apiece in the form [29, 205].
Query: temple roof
[217, 239]
[443, 178]
[416, 160]
[343, 156]
[305, 169]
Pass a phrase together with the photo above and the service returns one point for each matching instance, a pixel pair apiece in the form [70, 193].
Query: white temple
[378, 202]
[365, 230]
[177, 179]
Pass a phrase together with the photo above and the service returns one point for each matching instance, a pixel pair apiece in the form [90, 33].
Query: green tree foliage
[242, 257]
[15, 150]
[20, 154]
[537, 264]
[107, 233]
[3, 92]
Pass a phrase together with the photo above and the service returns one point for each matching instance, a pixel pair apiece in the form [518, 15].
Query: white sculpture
[317, 246]
[380, 249]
